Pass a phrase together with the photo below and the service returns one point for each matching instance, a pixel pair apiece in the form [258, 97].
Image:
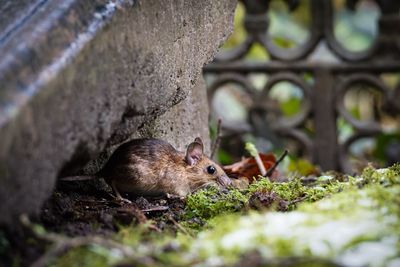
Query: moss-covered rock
[357, 227]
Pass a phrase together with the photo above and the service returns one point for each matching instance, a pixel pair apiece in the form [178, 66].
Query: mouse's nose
[224, 181]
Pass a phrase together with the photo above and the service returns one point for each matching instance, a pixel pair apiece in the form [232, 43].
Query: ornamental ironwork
[324, 85]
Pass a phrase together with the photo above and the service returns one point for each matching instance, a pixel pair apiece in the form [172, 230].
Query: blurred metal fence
[323, 100]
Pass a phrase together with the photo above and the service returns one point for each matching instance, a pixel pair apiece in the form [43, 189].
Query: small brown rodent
[153, 167]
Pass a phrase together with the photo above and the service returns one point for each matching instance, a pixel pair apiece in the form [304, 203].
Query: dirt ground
[88, 208]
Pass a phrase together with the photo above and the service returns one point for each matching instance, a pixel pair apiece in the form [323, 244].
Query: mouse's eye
[211, 169]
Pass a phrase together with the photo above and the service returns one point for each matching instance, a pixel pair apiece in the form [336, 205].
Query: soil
[82, 208]
[88, 208]
[92, 209]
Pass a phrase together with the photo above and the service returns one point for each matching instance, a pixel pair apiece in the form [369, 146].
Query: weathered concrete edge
[28, 54]
[35, 195]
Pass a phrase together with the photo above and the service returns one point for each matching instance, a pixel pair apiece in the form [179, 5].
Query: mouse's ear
[198, 140]
[194, 152]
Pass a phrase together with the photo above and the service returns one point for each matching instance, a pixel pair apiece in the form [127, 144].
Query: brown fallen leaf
[247, 168]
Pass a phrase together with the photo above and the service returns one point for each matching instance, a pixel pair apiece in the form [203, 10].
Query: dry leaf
[247, 168]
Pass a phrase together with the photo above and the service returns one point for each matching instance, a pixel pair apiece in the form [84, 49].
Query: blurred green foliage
[239, 33]
[291, 106]
[224, 157]
[383, 141]
[301, 166]
[355, 30]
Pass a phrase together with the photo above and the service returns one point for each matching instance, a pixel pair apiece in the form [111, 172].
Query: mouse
[153, 167]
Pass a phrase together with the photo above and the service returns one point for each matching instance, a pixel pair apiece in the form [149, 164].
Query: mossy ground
[329, 220]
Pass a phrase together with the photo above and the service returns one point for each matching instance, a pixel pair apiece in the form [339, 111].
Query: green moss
[90, 256]
[294, 190]
[387, 176]
[130, 235]
[330, 229]
[302, 239]
[210, 202]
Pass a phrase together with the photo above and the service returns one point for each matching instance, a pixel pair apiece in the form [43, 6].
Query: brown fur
[153, 167]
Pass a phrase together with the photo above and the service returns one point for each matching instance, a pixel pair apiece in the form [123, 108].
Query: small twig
[273, 167]
[93, 201]
[260, 165]
[298, 200]
[154, 228]
[253, 152]
[156, 208]
[217, 140]
[180, 227]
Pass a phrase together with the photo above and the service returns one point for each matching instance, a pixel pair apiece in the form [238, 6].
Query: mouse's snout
[224, 180]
